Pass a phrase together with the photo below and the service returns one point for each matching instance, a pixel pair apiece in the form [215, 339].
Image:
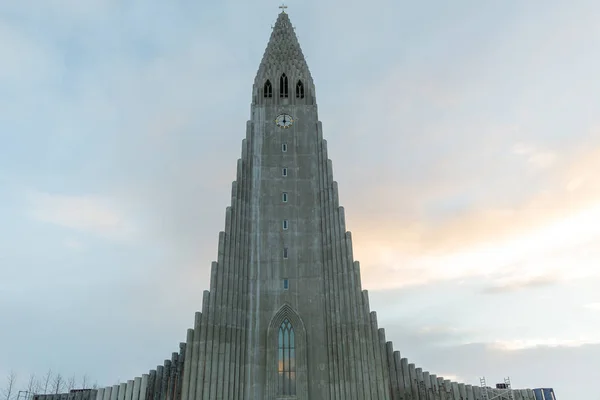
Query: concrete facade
[285, 259]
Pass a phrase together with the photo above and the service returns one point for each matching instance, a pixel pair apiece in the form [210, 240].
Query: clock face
[284, 121]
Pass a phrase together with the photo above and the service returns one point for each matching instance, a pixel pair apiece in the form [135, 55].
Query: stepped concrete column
[107, 391]
[462, 391]
[421, 384]
[136, 388]
[114, 392]
[129, 390]
[455, 391]
[414, 386]
[427, 384]
[144, 386]
[435, 387]
[470, 392]
[122, 390]
[440, 384]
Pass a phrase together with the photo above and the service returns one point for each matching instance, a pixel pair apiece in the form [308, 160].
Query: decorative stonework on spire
[283, 53]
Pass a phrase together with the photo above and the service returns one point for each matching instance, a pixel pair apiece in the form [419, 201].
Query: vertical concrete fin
[193, 361]
[342, 220]
[455, 391]
[180, 368]
[470, 392]
[122, 391]
[448, 389]
[434, 387]
[330, 326]
[414, 385]
[476, 393]
[203, 346]
[158, 382]
[107, 393]
[385, 370]
[462, 391]
[441, 388]
[129, 390]
[144, 386]
[421, 384]
[382, 388]
[391, 367]
[356, 377]
[164, 386]
[172, 376]
[151, 385]
[401, 393]
[185, 384]
[137, 382]
[216, 316]
[427, 384]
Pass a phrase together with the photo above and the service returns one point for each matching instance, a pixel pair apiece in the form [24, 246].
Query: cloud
[536, 158]
[521, 284]
[74, 244]
[91, 214]
[593, 306]
[519, 344]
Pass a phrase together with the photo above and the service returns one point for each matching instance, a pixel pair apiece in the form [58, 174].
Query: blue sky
[465, 138]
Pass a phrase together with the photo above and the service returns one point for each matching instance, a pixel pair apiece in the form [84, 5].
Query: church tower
[285, 316]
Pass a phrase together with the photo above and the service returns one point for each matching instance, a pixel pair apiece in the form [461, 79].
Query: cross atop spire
[283, 7]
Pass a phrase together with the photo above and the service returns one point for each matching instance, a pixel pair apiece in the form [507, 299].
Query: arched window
[299, 90]
[286, 359]
[283, 86]
[268, 89]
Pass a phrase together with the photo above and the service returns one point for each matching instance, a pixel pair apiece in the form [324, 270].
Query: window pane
[292, 338]
[292, 383]
[280, 361]
[292, 356]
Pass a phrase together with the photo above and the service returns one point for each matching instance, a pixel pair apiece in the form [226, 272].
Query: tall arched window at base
[268, 89]
[299, 90]
[286, 359]
[283, 86]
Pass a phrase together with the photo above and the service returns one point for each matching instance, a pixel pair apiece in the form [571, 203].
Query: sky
[465, 138]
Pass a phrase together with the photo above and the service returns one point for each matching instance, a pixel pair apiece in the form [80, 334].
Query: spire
[283, 53]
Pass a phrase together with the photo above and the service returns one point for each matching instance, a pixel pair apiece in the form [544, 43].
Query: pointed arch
[299, 90]
[286, 355]
[283, 86]
[268, 89]
[286, 359]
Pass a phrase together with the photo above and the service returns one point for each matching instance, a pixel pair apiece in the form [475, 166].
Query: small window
[284, 147]
[286, 224]
[299, 90]
[283, 86]
[286, 284]
[284, 172]
[285, 253]
[284, 197]
[268, 89]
